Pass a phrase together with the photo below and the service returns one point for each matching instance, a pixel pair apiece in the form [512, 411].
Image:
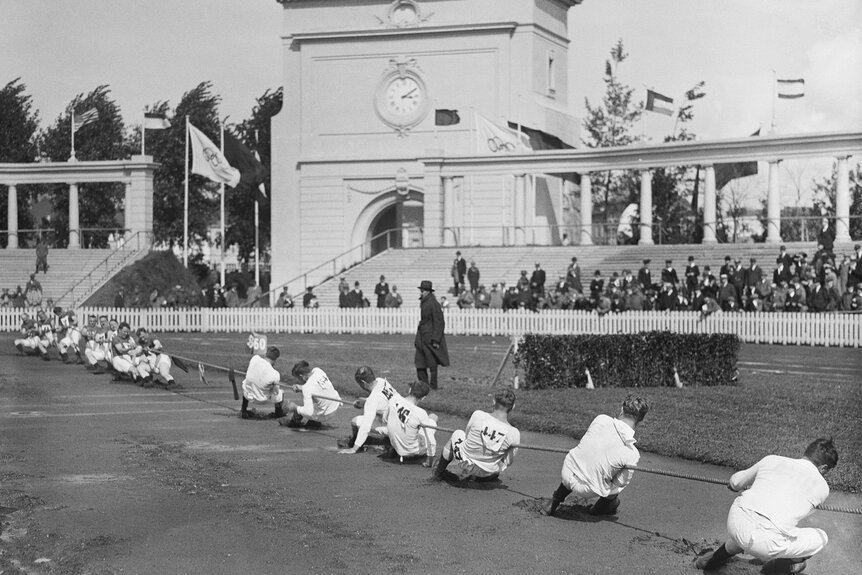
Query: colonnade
[136, 174]
[442, 172]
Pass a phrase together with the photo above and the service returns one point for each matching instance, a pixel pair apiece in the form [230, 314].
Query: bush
[645, 359]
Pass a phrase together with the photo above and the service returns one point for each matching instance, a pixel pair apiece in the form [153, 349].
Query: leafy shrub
[645, 359]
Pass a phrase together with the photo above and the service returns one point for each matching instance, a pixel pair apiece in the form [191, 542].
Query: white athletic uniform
[72, 336]
[154, 362]
[485, 447]
[46, 335]
[315, 408]
[403, 426]
[123, 360]
[30, 337]
[779, 493]
[261, 382]
[376, 405]
[596, 467]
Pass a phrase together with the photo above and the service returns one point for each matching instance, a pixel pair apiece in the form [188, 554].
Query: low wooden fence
[828, 329]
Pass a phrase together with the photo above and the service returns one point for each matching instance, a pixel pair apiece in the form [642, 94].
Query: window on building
[552, 74]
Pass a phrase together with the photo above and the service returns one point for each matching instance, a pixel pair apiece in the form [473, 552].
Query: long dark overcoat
[431, 327]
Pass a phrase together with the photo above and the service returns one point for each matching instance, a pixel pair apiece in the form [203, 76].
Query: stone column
[586, 211]
[128, 211]
[842, 201]
[709, 211]
[519, 209]
[646, 208]
[74, 224]
[12, 218]
[449, 238]
[773, 206]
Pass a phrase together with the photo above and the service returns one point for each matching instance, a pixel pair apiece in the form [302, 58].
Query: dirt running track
[103, 478]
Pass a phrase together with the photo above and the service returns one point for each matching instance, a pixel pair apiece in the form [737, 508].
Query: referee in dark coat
[430, 342]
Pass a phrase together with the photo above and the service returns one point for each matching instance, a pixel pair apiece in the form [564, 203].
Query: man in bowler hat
[430, 342]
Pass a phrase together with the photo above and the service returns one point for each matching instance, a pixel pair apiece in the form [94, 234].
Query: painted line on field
[802, 366]
[26, 414]
[833, 376]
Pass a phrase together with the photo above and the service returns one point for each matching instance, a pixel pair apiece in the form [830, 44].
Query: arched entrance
[391, 220]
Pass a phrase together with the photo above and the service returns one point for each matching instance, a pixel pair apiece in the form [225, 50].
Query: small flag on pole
[203, 376]
[88, 117]
[791, 89]
[155, 121]
[208, 160]
[655, 103]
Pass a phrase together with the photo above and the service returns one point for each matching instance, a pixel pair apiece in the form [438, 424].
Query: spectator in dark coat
[356, 298]
[596, 286]
[667, 297]
[381, 290]
[784, 257]
[473, 277]
[727, 298]
[573, 276]
[692, 275]
[645, 277]
[753, 275]
[459, 270]
[826, 237]
[120, 299]
[42, 256]
[668, 274]
[537, 281]
[782, 271]
[727, 270]
[818, 299]
[430, 342]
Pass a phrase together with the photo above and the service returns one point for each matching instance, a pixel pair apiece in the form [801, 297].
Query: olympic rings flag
[208, 160]
[495, 139]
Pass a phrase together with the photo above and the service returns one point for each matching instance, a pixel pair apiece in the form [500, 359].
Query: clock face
[403, 97]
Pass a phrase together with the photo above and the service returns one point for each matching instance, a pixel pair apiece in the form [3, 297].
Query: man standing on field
[430, 343]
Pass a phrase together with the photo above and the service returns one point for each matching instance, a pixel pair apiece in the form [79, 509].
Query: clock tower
[371, 86]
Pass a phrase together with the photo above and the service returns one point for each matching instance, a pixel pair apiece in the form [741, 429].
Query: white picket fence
[828, 329]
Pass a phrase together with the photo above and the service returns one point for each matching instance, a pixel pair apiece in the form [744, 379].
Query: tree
[731, 201]
[611, 124]
[100, 204]
[256, 133]
[168, 148]
[824, 197]
[19, 125]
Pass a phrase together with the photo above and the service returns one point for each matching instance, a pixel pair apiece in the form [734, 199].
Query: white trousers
[756, 535]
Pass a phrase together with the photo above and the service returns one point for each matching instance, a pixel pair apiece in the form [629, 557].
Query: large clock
[401, 99]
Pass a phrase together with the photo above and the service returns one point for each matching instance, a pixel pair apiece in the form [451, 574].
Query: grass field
[770, 411]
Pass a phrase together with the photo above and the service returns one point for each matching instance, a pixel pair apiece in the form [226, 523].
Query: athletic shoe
[245, 414]
[783, 566]
[705, 562]
[605, 506]
[64, 357]
[345, 442]
[147, 382]
[311, 424]
[160, 380]
[547, 507]
[20, 348]
[294, 422]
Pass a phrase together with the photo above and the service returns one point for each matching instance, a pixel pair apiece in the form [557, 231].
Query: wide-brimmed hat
[426, 285]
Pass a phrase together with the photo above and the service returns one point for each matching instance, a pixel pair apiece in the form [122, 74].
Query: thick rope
[688, 476]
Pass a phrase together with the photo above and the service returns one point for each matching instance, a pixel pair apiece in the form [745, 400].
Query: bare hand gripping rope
[691, 477]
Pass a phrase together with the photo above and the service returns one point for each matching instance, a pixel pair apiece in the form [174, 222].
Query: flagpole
[774, 97]
[221, 193]
[256, 224]
[144, 133]
[186, 203]
[72, 156]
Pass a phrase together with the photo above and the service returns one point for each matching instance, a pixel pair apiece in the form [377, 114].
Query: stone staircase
[405, 268]
[66, 268]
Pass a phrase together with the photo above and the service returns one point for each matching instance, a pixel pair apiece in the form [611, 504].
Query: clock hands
[408, 93]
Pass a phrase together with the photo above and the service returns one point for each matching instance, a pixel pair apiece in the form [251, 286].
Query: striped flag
[154, 121]
[81, 120]
[791, 89]
[655, 103]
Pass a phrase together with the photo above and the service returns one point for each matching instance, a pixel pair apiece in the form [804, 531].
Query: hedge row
[645, 359]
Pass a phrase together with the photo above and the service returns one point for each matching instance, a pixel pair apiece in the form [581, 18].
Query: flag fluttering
[261, 188]
[81, 120]
[790, 89]
[209, 162]
[495, 139]
[446, 117]
[656, 102]
[726, 172]
[154, 121]
[252, 172]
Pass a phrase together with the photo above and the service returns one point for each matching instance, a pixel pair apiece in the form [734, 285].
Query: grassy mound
[159, 270]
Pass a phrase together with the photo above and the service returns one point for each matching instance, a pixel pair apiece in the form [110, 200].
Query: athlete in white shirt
[373, 408]
[261, 383]
[409, 427]
[777, 493]
[600, 466]
[486, 447]
[315, 387]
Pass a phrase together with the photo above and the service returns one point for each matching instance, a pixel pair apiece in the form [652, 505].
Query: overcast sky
[158, 49]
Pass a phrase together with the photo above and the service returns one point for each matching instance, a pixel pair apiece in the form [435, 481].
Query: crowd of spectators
[793, 284]
[385, 296]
